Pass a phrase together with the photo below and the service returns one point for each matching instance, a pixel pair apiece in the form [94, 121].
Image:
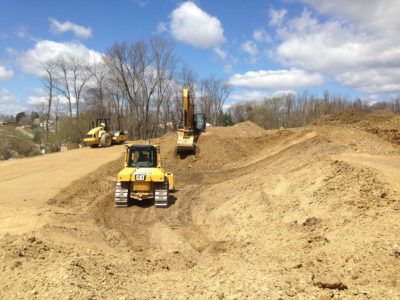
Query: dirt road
[308, 212]
[26, 185]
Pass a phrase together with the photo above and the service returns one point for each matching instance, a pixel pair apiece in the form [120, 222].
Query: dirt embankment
[309, 213]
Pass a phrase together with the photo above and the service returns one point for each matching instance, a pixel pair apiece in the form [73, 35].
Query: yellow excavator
[101, 134]
[190, 126]
[143, 177]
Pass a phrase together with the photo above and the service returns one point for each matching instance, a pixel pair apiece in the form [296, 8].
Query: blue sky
[265, 48]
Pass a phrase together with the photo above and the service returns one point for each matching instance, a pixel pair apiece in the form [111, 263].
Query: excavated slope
[309, 212]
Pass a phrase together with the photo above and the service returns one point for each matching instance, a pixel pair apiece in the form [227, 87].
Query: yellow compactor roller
[101, 134]
[143, 177]
[190, 126]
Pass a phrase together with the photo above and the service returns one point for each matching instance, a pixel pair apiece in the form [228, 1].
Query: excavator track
[161, 196]
[121, 196]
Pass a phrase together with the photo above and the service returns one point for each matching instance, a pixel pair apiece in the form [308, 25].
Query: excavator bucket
[185, 143]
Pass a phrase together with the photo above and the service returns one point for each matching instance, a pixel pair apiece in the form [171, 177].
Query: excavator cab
[199, 122]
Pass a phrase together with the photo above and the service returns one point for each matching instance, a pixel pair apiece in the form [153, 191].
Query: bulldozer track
[161, 196]
[121, 196]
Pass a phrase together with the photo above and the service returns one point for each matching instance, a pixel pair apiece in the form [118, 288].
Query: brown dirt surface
[304, 213]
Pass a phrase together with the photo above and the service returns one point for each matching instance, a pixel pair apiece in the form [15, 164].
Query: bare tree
[80, 77]
[97, 91]
[73, 75]
[62, 83]
[144, 72]
[214, 93]
[48, 80]
[164, 64]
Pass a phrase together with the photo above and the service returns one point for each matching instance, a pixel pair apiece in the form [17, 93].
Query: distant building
[69, 146]
[11, 122]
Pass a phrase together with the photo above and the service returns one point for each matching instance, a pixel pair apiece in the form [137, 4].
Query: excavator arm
[190, 130]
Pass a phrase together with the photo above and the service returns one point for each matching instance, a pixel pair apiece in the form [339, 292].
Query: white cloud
[33, 60]
[373, 80]
[21, 33]
[36, 100]
[9, 104]
[196, 27]
[7, 97]
[277, 79]
[228, 69]
[374, 97]
[249, 96]
[40, 97]
[284, 93]
[5, 74]
[221, 53]
[79, 31]
[11, 51]
[142, 3]
[260, 35]
[356, 38]
[276, 16]
[11, 109]
[376, 17]
[250, 47]
[161, 27]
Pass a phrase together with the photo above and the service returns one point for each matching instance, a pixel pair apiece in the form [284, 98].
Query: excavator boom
[191, 125]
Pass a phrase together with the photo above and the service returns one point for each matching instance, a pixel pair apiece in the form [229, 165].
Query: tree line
[296, 111]
[137, 85]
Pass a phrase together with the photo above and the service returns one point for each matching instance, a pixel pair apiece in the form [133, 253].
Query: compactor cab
[104, 123]
[101, 134]
[143, 177]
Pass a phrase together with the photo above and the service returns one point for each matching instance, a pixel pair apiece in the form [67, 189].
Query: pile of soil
[308, 212]
[383, 123]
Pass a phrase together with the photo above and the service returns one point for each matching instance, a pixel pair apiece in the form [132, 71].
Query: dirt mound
[244, 129]
[223, 147]
[388, 130]
[308, 213]
[383, 123]
[353, 117]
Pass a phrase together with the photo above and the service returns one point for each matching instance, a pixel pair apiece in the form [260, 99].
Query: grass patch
[15, 144]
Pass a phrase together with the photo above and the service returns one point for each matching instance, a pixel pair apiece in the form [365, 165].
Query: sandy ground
[304, 213]
[27, 184]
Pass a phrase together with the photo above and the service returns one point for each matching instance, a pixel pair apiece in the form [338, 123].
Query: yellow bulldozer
[190, 126]
[101, 134]
[143, 177]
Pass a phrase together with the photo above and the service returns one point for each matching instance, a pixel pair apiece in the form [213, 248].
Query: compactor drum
[101, 134]
[143, 177]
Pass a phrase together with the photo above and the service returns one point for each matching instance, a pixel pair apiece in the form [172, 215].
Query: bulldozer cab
[141, 156]
[106, 123]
